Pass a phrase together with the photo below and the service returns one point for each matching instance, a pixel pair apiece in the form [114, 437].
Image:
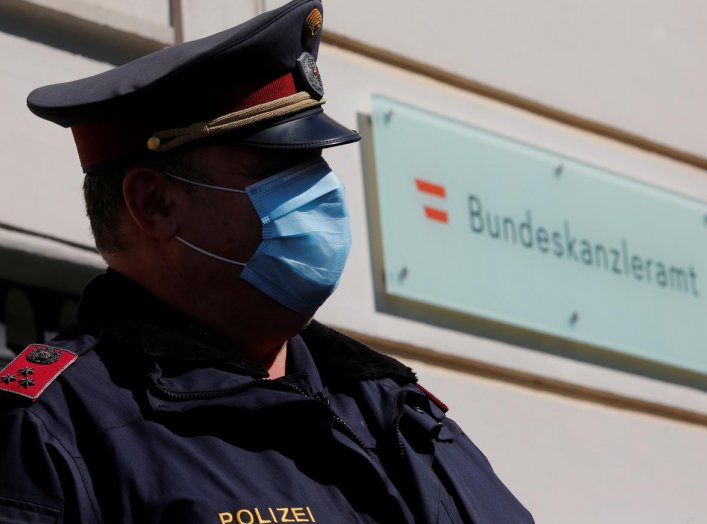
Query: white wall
[154, 11]
[199, 21]
[637, 65]
[40, 186]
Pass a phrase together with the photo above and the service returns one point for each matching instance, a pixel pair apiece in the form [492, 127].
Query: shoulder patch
[441, 405]
[34, 369]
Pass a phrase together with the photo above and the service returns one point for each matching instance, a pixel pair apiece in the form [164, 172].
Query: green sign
[485, 225]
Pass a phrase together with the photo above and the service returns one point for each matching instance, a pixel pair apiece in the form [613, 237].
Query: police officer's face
[225, 223]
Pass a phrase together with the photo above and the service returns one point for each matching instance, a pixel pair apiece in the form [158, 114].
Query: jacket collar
[126, 312]
[342, 360]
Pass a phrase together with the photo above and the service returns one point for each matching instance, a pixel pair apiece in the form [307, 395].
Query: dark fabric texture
[160, 421]
[16, 511]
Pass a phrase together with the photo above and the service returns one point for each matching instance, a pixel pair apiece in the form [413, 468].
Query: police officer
[195, 387]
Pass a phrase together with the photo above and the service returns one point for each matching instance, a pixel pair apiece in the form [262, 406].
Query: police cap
[257, 81]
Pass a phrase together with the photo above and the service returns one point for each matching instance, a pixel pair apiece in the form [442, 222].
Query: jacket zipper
[399, 410]
[336, 418]
[205, 395]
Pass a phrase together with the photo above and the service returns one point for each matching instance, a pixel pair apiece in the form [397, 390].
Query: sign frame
[495, 327]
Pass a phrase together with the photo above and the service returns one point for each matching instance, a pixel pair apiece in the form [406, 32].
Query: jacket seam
[75, 458]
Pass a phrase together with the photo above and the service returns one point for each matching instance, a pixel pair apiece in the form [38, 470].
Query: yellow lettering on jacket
[225, 518]
[299, 515]
[250, 517]
[267, 515]
[260, 517]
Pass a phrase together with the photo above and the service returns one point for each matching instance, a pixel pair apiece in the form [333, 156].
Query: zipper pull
[321, 398]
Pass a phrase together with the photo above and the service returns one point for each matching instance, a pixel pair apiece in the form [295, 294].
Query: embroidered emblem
[307, 67]
[44, 355]
[313, 23]
[47, 363]
[26, 382]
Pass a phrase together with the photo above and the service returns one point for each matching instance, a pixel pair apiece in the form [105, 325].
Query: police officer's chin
[296, 318]
[278, 316]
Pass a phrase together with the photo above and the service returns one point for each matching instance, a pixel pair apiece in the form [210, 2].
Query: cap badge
[307, 67]
[44, 355]
[313, 23]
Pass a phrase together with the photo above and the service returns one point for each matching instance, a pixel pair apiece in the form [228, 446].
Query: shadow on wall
[63, 31]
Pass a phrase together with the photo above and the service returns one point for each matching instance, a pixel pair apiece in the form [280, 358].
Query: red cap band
[101, 143]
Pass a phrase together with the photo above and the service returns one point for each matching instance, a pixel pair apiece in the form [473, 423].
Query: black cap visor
[311, 129]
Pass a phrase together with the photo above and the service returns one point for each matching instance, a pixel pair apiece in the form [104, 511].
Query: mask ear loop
[209, 254]
[201, 184]
[197, 248]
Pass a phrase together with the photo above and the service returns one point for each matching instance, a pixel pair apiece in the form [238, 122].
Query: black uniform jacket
[160, 421]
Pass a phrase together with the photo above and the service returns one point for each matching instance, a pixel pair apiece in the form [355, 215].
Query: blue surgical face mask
[305, 238]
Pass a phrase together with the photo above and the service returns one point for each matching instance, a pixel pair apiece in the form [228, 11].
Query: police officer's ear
[152, 201]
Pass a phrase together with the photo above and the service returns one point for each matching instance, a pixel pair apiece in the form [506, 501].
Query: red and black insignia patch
[34, 369]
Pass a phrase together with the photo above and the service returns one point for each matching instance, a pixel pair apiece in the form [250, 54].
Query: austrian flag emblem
[435, 190]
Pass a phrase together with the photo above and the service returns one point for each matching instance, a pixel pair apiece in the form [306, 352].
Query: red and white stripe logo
[435, 190]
